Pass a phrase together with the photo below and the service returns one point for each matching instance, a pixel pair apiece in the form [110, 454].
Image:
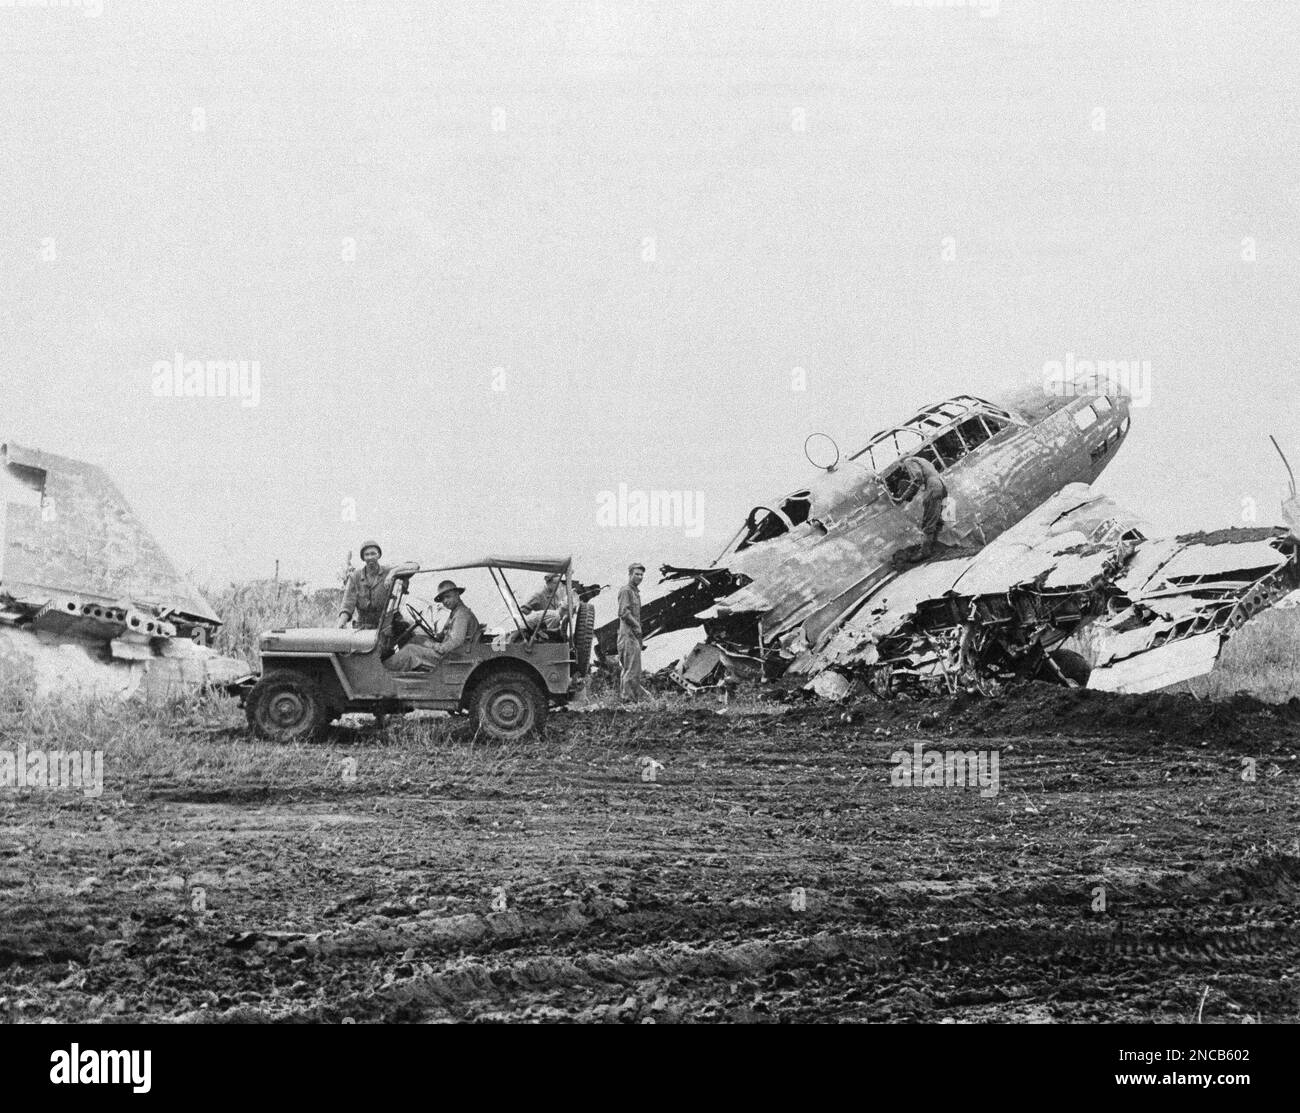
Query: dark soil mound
[1037, 708]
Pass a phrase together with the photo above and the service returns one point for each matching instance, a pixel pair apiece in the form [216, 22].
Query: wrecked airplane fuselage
[808, 557]
[89, 603]
[816, 551]
[1038, 575]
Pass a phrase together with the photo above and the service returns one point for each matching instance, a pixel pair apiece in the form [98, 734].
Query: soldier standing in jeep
[366, 591]
[310, 677]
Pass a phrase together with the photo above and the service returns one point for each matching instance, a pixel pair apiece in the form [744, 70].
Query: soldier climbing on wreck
[923, 478]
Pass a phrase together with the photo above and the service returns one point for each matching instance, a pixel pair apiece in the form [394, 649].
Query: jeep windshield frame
[496, 566]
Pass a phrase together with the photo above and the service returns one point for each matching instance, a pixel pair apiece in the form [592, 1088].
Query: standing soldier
[629, 634]
[366, 592]
[923, 478]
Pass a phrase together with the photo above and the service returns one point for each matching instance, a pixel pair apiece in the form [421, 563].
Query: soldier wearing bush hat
[462, 628]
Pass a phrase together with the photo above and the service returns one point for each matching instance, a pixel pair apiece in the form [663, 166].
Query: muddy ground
[770, 871]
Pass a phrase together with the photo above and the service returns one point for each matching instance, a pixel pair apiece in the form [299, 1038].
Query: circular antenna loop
[824, 449]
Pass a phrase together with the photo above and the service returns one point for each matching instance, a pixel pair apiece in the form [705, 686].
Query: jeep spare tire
[584, 630]
[509, 705]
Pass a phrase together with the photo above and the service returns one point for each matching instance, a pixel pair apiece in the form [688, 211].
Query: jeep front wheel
[509, 705]
[285, 706]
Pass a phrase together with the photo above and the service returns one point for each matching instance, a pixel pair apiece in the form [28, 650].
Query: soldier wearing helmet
[367, 590]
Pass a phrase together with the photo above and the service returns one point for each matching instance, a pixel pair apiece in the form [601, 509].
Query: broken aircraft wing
[89, 602]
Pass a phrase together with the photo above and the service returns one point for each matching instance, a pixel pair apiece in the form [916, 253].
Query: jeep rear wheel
[509, 705]
[286, 706]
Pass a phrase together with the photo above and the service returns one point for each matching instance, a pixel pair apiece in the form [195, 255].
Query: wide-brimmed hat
[444, 587]
[370, 545]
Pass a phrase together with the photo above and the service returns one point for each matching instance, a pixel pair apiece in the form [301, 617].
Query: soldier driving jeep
[423, 652]
[507, 678]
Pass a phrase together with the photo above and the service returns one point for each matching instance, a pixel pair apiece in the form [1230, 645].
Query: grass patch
[1262, 659]
[251, 608]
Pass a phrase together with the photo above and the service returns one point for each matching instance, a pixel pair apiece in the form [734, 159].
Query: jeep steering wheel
[422, 623]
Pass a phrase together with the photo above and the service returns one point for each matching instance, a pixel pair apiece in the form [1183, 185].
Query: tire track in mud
[1046, 959]
[517, 963]
[672, 901]
[1275, 877]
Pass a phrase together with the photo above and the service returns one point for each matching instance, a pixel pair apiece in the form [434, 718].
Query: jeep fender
[321, 667]
[493, 665]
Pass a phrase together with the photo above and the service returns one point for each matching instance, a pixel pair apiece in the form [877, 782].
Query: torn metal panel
[76, 617]
[1146, 562]
[128, 648]
[1248, 561]
[1160, 668]
[1180, 605]
[68, 530]
[1073, 518]
[1117, 644]
[1079, 569]
[1003, 569]
[709, 665]
[1026, 596]
[667, 651]
[882, 613]
[829, 617]
[89, 603]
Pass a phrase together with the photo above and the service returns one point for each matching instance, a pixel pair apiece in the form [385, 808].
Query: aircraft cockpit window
[933, 456]
[1085, 418]
[763, 525]
[895, 482]
[977, 421]
[974, 432]
[797, 507]
[950, 448]
[889, 447]
[967, 437]
[1102, 405]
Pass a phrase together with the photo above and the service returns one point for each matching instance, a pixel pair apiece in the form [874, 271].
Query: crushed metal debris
[90, 605]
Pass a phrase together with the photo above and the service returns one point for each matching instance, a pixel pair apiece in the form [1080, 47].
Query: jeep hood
[322, 640]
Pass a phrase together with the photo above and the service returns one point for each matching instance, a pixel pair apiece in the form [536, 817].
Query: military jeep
[507, 679]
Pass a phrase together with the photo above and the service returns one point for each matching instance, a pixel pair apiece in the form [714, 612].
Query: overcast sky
[495, 259]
